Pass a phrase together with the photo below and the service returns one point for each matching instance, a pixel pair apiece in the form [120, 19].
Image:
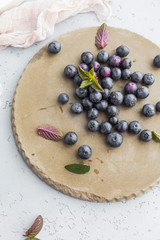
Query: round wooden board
[115, 174]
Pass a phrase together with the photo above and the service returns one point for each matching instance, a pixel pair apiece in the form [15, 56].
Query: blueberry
[95, 97]
[126, 74]
[126, 63]
[130, 100]
[134, 127]
[149, 110]
[105, 93]
[102, 105]
[87, 104]
[90, 89]
[63, 98]
[115, 61]
[112, 111]
[84, 152]
[84, 67]
[116, 98]
[158, 106]
[122, 51]
[93, 113]
[156, 61]
[116, 73]
[77, 108]
[113, 120]
[136, 77]
[77, 80]
[81, 92]
[107, 82]
[148, 79]
[104, 72]
[142, 92]
[122, 126]
[95, 65]
[71, 138]
[87, 57]
[131, 87]
[105, 127]
[70, 71]
[114, 139]
[54, 47]
[102, 56]
[93, 125]
[146, 135]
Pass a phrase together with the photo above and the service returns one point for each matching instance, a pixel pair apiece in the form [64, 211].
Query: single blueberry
[102, 56]
[126, 74]
[113, 120]
[105, 93]
[84, 152]
[114, 139]
[71, 138]
[134, 127]
[130, 100]
[95, 65]
[95, 97]
[116, 73]
[70, 71]
[142, 92]
[81, 92]
[136, 77]
[122, 51]
[84, 67]
[93, 125]
[77, 108]
[156, 61]
[87, 104]
[126, 63]
[105, 127]
[93, 113]
[63, 98]
[158, 106]
[54, 47]
[116, 98]
[148, 79]
[77, 80]
[146, 135]
[104, 72]
[115, 61]
[87, 57]
[102, 105]
[107, 82]
[112, 111]
[149, 110]
[122, 126]
[131, 87]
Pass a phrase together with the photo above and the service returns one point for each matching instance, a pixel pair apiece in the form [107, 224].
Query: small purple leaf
[50, 133]
[102, 36]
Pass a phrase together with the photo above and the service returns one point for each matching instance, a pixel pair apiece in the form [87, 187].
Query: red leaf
[50, 133]
[102, 36]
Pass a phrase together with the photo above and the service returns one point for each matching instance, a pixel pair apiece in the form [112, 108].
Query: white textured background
[23, 195]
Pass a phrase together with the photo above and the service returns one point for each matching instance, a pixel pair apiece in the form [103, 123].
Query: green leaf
[85, 83]
[78, 168]
[155, 136]
[96, 85]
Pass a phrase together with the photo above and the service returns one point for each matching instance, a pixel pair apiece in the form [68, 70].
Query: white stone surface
[23, 195]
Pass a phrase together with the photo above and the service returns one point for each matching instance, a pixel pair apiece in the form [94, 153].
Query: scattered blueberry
[137, 77]
[105, 127]
[84, 67]
[87, 104]
[149, 110]
[126, 63]
[113, 120]
[158, 106]
[134, 127]
[104, 72]
[146, 135]
[87, 57]
[81, 92]
[84, 152]
[156, 61]
[116, 73]
[95, 97]
[93, 125]
[115, 61]
[107, 82]
[102, 105]
[77, 108]
[71, 138]
[93, 113]
[126, 74]
[112, 111]
[116, 98]
[54, 47]
[95, 65]
[90, 89]
[122, 126]
[70, 71]
[105, 93]
[148, 79]
[77, 80]
[130, 100]
[122, 51]
[131, 87]
[142, 92]
[114, 139]
[102, 56]
[63, 98]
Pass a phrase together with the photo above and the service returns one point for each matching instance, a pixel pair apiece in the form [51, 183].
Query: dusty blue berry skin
[81, 92]
[70, 71]
[87, 57]
[146, 135]
[115, 61]
[113, 120]
[90, 89]
[126, 63]
[107, 82]
[71, 138]
[63, 98]
[149, 110]
[131, 87]
[102, 105]
[158, 106]
[95, 97]
[114, 139]
[112, 111]
[130, 100]
[148, 79]
[77, 80]
[84, 152]
[87, 104]
[142, 92]
[54, 47]
[104, 72]
[84, 67]
[77, 108]
[156, 61]
[122, 51]
[93, 113]
[93, 125]
[137, 77]
[102, 56]
[126, 74]
[105, 93]
[116, 73]
[122, 126]
[105, 127]
[134, 127]
[116, 98]
[95, 65]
